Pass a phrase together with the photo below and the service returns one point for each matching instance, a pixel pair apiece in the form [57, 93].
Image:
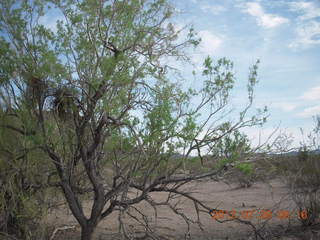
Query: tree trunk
[87, 232]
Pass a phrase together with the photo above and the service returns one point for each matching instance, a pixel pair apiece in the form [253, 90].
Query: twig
[60, 229]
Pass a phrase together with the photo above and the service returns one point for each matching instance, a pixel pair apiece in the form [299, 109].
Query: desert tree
[103, 107]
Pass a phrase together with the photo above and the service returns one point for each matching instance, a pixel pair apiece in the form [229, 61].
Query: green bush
[22, 190]
[245, 168]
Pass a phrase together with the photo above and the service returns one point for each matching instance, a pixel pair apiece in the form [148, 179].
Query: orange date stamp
[263, 214]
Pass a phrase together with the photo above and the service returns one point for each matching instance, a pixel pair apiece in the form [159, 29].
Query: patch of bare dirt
[260, 198]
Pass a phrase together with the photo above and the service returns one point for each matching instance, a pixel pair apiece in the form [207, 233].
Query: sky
[284, 35]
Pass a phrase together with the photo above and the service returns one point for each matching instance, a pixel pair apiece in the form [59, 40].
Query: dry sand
[261, 196]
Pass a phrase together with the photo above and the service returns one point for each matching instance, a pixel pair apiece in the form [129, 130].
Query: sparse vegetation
[94, 97]
[89, 113]
[301, 172]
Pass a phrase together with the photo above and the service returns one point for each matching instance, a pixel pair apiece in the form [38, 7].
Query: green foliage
[21, 164]
[232, 147]
[246, 168]
[94, 93]
[223, 162]
[232, 150]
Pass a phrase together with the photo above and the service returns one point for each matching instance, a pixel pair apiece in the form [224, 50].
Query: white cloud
[309, 112]
[259, 136]
[264, 19]
[308, 28]
[209, 42]
[307, 10]
[291, 136]
[286, 106]
[214, 9]
[312, 94]
[209, 45]
[51, 21]
[308, 34]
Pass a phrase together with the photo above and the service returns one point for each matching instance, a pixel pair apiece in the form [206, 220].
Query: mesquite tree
[103, 107]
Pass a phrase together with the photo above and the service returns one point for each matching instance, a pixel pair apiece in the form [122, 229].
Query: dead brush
[303, 178]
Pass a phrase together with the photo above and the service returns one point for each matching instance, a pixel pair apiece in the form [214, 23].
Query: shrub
[22, 188]
[242, 174]
[302, 175]
[303, 178]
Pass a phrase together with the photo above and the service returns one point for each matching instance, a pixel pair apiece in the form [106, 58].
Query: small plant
[303, 154]
[245, 168]
[244, 173]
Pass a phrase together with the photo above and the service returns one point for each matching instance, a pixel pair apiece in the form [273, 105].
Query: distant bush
[245, 168]
[233, 152]
[242, 174]
[302, 175]
[303, 179]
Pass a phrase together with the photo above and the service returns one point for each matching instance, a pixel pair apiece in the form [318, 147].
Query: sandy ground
[261, 196]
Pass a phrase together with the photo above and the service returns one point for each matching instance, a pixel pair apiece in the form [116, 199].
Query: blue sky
[283, 34]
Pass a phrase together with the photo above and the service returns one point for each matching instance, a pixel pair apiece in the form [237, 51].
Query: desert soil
[261, 196]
